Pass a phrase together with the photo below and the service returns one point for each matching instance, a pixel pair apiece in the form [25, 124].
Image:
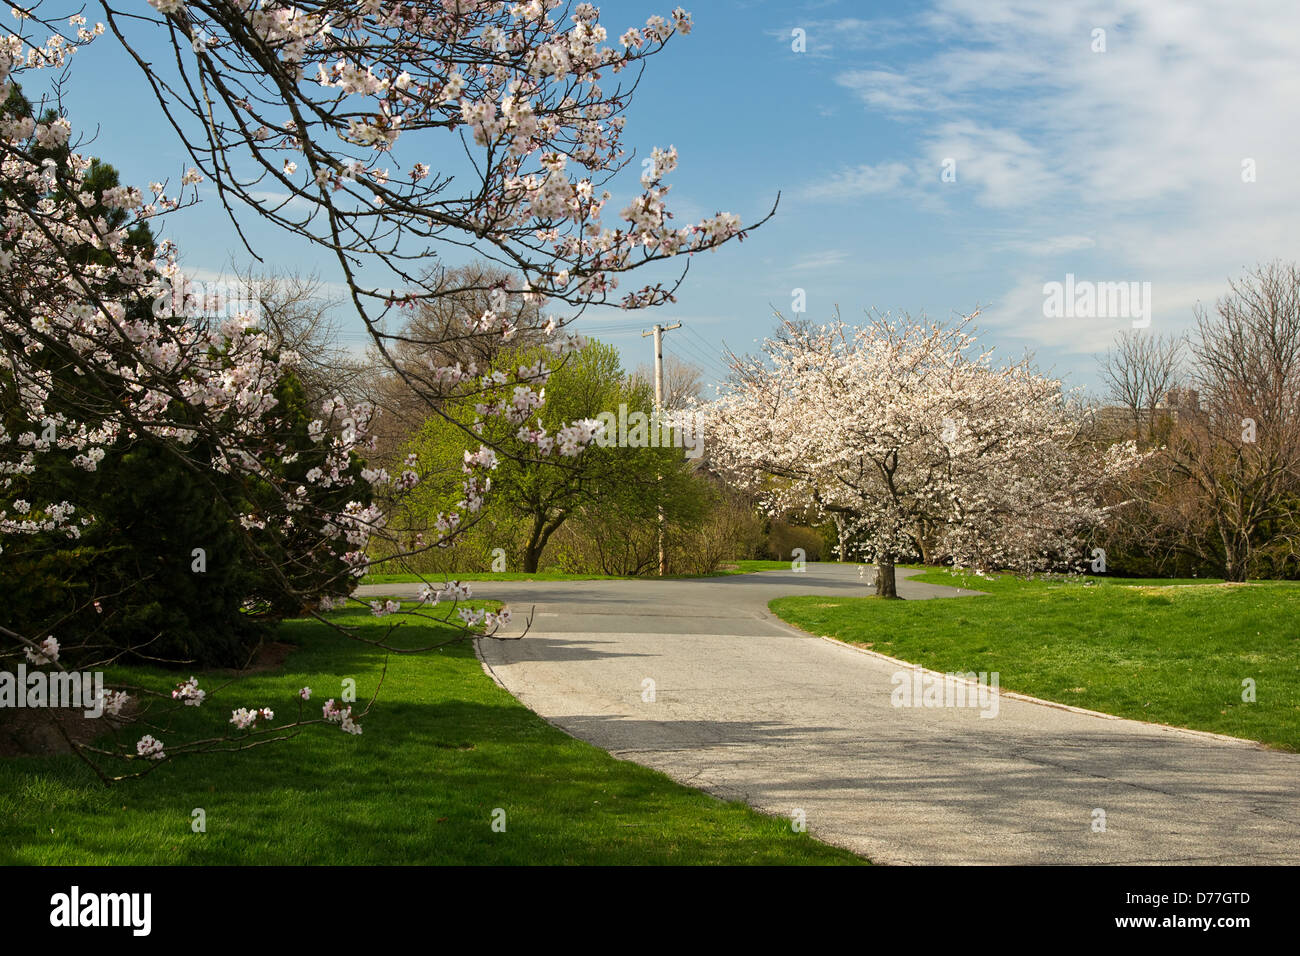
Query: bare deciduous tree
[683, 381]
[1140, 370]
[1243, 453]
[443, 331]
[1227, 483]
[296, 311]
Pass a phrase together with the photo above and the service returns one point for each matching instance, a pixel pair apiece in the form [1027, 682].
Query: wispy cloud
[826, 259]
[1127, 160]
[1046, 245]
[895, 92]
[855, 182]
[1005, 168]
[827, 37]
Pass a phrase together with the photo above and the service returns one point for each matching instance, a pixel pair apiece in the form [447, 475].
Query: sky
[931, 158]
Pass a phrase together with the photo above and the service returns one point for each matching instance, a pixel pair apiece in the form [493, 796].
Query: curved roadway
[748, 708]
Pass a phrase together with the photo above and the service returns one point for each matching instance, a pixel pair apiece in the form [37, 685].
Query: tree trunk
[537, 541]
[885, 586]
[533, 550]
[1236, 555]
[1235, 565]
[532, 555]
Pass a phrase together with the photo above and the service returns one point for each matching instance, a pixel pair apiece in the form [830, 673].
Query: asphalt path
[696, 678]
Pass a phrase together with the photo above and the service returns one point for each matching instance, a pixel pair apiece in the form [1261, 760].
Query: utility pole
[658, 333]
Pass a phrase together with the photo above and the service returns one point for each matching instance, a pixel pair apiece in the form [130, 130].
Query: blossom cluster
[188, 692]
[244, 718]
[915, 443]
[346, 94]
[47, 654]
[341, 716]
[332, 117]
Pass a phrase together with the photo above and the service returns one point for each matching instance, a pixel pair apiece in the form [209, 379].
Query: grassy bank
[1172, 652]
[443, 748]
[734, 567]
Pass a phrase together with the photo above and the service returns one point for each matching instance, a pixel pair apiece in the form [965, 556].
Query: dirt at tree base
[35, 732]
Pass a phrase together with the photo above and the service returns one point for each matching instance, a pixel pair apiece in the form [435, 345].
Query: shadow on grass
[444, 754]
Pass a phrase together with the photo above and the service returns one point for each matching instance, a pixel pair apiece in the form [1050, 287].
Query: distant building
[1179, 404]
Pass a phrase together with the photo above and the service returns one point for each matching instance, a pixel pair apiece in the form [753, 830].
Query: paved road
[748, 708]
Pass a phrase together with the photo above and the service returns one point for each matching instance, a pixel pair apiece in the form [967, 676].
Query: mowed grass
[734, 567]
[441, 750]
[750, 567]
[437, 577]
[1171, 652]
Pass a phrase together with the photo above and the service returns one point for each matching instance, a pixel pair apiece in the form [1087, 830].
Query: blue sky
[1116, 165]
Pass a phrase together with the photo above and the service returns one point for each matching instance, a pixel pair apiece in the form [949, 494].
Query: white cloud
[1131, 158]
[1007, 169]
[858, 33]
[1017, 315]
[813, 261]
[1046, 245]
[858, 181]
[882, 89]
[824, 37]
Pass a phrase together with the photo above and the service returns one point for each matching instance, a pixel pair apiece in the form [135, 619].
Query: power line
[720, 359]
[701, 356]
[712, 364]
[709, 370]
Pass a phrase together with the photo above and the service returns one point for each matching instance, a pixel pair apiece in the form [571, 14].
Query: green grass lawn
[442, 749]
[733, 567]
[749, 567]
[435, 577]
[1163, 651]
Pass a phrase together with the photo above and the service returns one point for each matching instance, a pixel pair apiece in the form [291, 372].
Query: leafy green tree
[163, 571]
[533, 495]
